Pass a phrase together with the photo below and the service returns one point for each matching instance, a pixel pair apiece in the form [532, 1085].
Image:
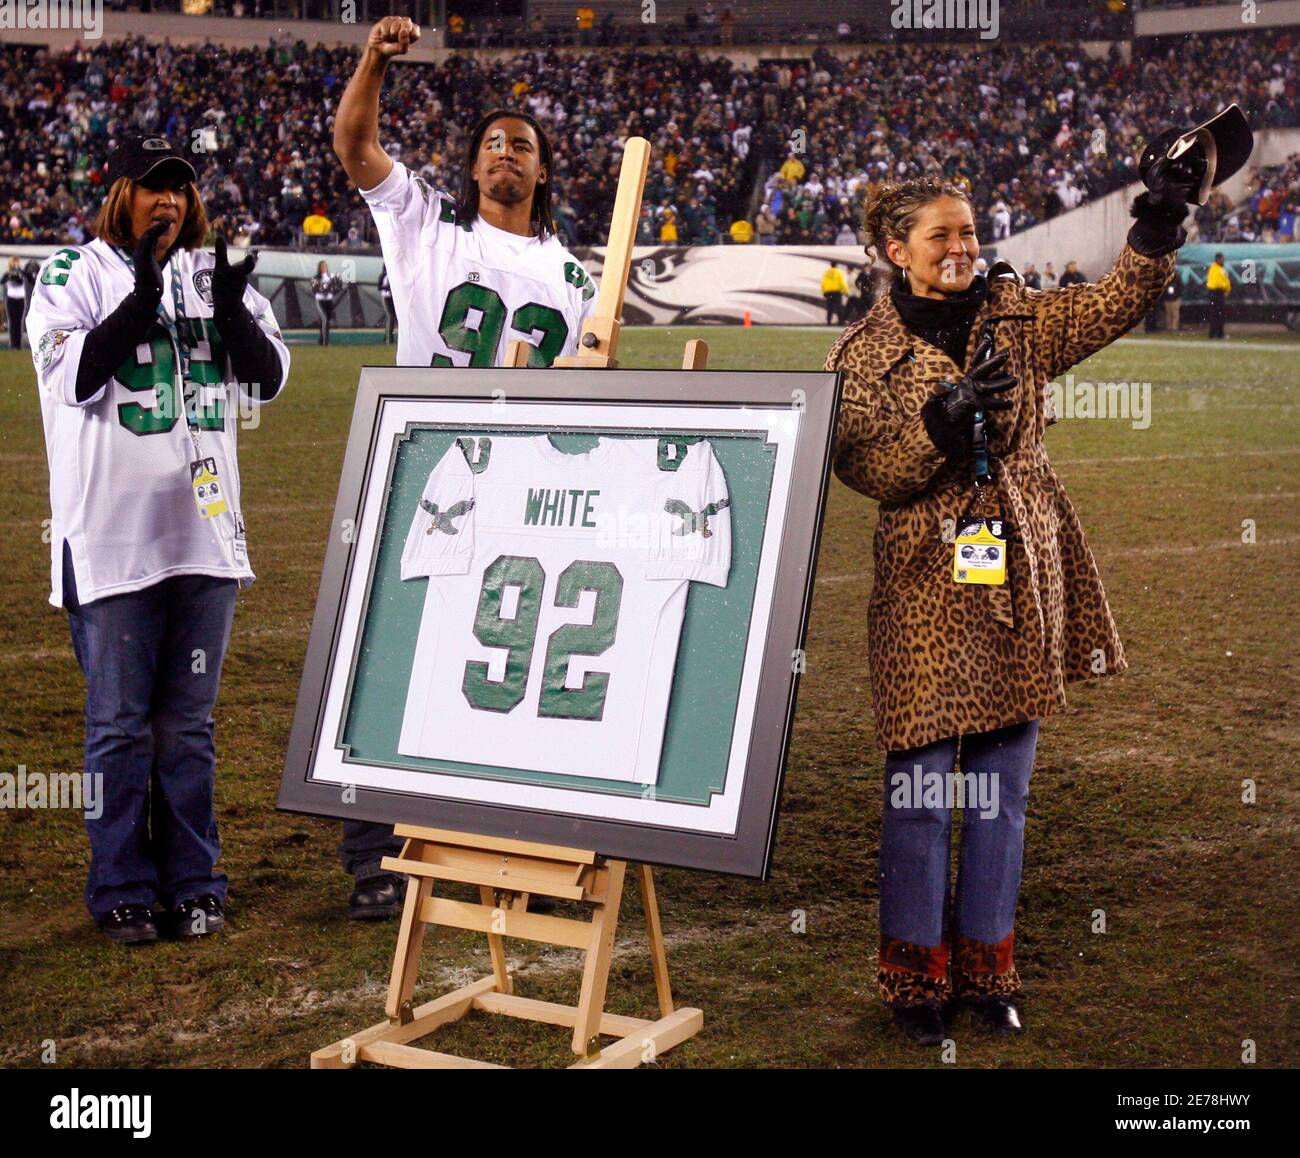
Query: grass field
[1136, 804]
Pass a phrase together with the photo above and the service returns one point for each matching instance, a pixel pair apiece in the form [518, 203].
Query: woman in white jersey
[146, 349]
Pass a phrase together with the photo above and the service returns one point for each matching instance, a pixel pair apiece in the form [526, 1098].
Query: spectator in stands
[586, 17]
[668, 228]
[1286, 223]
[834, 287]
[1001, 221]
[766, 226]
[1218, 285]
[1049, 276]
[1031, 276]
[316, 226]
[1072, 275]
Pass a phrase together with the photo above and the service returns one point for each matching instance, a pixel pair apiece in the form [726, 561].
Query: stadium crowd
[800, 142]
[1271, 215]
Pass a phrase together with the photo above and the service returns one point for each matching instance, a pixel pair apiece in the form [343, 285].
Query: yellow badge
[980, 551]
[209, 492]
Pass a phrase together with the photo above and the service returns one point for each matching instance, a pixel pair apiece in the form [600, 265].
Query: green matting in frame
[710, 656]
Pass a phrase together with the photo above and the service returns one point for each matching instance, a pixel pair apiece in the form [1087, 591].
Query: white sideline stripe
[1206, 344]
[1261, 453]
[1123, 552]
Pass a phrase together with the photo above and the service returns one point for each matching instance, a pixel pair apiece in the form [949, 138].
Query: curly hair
[892, 208]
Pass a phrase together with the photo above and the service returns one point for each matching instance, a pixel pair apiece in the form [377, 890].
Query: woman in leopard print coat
[957, 665]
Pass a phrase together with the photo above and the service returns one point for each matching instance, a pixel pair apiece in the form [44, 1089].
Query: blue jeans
[915, 837]
[364, 845]
[152, 662]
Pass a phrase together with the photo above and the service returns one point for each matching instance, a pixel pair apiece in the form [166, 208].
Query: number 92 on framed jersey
[568, 607]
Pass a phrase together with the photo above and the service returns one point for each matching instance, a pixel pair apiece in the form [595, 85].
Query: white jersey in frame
[557, 585]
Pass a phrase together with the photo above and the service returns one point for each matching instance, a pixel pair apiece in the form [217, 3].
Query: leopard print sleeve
[1076, 322]
[880, 450]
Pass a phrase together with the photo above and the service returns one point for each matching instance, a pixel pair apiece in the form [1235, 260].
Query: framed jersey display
[567, 606]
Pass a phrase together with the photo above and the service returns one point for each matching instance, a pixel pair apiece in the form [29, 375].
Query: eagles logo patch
[203, 285]
[51, 340]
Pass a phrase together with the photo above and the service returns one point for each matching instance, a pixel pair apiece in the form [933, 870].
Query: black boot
[921, 1022]
[377, 898]
[998, 1013]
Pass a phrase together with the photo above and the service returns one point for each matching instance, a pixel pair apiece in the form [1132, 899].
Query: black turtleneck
[944, 322]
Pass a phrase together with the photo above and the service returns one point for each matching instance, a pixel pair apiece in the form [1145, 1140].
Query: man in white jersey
[143, 346]
[474, 272]
[469, 274]
[557, 585]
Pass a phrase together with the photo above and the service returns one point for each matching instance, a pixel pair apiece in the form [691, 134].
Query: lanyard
[178, 330]
[979, 436]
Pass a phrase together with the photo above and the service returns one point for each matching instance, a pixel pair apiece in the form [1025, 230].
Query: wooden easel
[507, 872]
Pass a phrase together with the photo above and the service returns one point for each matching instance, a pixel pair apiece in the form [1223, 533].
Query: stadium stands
[1029, 128]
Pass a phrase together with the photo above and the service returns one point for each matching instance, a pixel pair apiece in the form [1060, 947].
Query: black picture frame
[681, 396]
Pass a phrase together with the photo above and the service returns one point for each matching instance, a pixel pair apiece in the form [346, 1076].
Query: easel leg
[406, 960]
[496, 944]
[595, 974]
[655, 935]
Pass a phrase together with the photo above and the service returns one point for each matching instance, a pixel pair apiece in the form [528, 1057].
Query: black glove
[1170, 186]
[148, 290]
[229, 282]
[111, 342]
[253, 357]
[950, 418]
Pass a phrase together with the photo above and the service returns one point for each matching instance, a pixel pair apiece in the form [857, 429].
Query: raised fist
[393, 35]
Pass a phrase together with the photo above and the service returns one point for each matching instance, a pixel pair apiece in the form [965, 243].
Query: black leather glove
[148, 290]
[950, 418]
[1170, 186]
[229, 282]
[252, 355]
[111, 342]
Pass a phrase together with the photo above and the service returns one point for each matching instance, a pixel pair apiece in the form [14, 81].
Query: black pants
[390, 321]
[1218, 312]
[15, 307]
[364, 845]
[326, 318]
[834, 307]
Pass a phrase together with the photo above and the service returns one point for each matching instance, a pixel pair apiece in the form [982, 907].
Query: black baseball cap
[138, 156]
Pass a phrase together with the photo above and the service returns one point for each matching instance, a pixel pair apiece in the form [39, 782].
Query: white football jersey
[557, 584]
[121, 490]
[463, 293]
